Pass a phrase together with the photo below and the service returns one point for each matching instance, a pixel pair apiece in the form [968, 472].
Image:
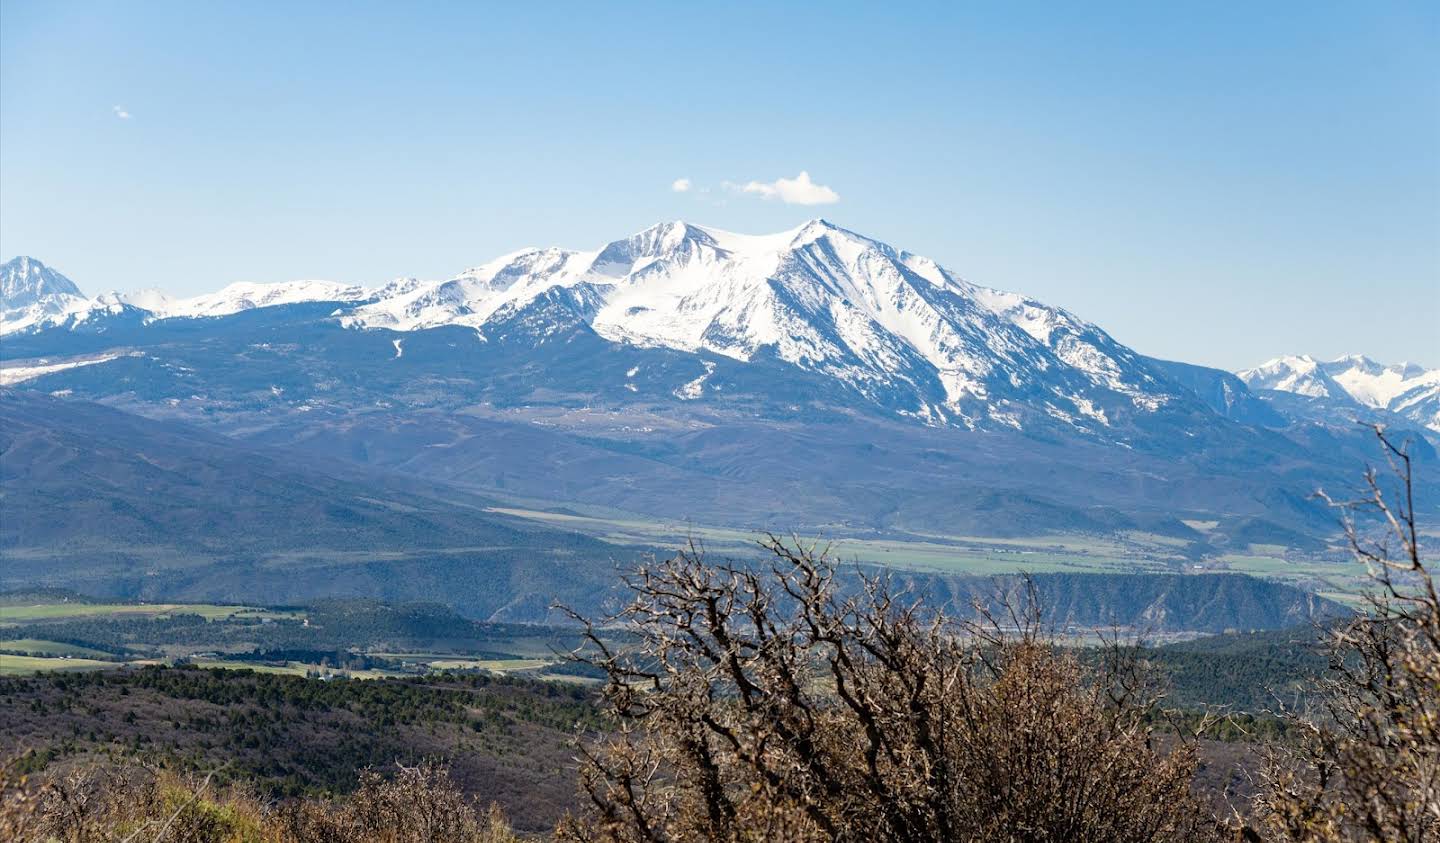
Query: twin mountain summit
[815, 380]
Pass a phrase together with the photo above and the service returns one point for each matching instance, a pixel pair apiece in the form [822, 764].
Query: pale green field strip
[22, 665]
[1129, 552]
[292, 669]
[495, 665]
[37, 647]
[526, 649]
[1060, 543]
[1344, 582]
[1274, 566]
[65, 611]
[218, 664]
[635, 529]
[418, 658]
[947, 554]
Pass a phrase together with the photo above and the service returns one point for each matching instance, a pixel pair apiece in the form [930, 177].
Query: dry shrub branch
[771, 703]
[1369, 765]
[120, 803]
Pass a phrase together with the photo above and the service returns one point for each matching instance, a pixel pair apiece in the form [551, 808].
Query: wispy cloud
[680, 185]
[121, 112]
[797, 191]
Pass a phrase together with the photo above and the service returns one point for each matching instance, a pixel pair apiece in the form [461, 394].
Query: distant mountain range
[1406, 390]
[888, 327]
[814, 379]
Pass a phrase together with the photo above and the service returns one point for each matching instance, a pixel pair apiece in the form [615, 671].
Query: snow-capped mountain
[817, 297]
[895, 327]
[245, 295]
[1302, 375]
[32, 293]
[816, 375]
[1405, 389]
[35, 297]
[24, 281]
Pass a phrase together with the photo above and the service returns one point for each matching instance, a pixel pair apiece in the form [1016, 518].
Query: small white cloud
[121, 112]
[680, 185]
[797, 191]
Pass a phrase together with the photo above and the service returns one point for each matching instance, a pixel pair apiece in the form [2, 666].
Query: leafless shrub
[1369, 765]
[125, 802]
[771, 704]
[130, 803]
[419, 805]
[20, 801]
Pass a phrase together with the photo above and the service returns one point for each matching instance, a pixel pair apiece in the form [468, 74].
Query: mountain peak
[1356, 361]
[1297, 373]
[25, 280]
[893, 327]
[666, 238]
[817, 299]
[1374, 368]
[1404, 388]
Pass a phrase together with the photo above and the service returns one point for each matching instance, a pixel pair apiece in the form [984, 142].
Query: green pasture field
[38, 647]
[494, 665]
[23, 665]
[10, 615]
[291, 668]
[929, 552]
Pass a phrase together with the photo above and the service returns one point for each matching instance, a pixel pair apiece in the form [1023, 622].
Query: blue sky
[1219, 183]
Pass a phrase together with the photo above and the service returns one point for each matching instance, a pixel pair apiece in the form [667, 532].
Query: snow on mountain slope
[11, 374]
[1078, 343]
[1421, 402]
[1405, 388]
[1375, 384]
[36, 297]
[24, 281]
[32, 293]
[469, 298]
[819, 297]
[245, 295]
[897, 328]
[1302, 375]
[149, 299]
